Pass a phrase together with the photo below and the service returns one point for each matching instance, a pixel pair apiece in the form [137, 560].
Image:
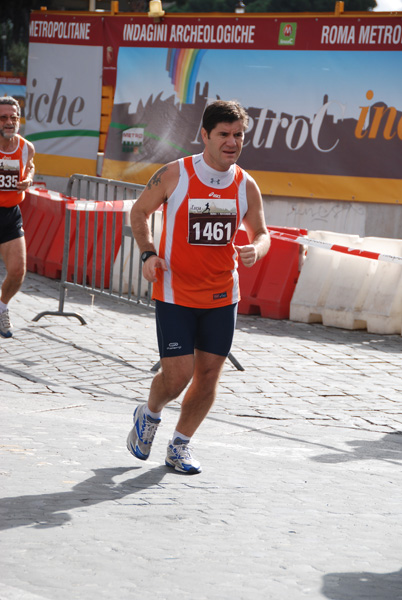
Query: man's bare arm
[156, 192]
[254, 222]
[29, 170]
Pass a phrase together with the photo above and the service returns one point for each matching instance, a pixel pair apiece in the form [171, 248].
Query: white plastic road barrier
[382, 307]
[339, 290]
[310, 296]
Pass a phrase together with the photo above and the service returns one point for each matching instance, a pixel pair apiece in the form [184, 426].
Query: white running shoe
[140, 438]
[5, 324]
[179, 457]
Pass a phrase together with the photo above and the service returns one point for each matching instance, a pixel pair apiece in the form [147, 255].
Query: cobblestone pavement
[299, 497]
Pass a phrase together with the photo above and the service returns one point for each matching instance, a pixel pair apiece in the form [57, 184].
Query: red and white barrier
[306, 241]
[102, 206]
[43, 192]
[268, 286]
[333, 287]
[43, 213]
[126, 206]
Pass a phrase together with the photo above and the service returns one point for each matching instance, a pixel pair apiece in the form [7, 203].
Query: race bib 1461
[211, 222]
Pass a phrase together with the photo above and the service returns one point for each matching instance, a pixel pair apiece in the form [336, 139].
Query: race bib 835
[9, 174]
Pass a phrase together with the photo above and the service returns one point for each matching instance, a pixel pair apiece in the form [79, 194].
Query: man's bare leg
[168, 384]
[13, 254]
[195, 406]
[201, 393]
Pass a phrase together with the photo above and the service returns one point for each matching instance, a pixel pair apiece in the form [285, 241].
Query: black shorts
[10, 224]
[181, 329]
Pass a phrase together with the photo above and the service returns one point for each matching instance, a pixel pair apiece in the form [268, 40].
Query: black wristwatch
[145, 255]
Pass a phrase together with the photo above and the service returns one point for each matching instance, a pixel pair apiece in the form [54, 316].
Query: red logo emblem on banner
[287, 34]
[287, 30]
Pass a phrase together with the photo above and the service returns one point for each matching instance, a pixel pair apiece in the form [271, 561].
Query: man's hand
[149, 270]
[247, 254]
[24, 185]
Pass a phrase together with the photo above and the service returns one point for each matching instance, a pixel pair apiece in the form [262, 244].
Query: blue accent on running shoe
[7, 334]
[137, 452]
[179, 457]
[140, 438]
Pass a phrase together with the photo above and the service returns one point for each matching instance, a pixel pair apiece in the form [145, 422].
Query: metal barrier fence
[99, 255]
[95, 256]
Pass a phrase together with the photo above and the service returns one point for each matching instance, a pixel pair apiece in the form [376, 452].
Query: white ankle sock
[152, 414]
[3, 307]
[177, 434]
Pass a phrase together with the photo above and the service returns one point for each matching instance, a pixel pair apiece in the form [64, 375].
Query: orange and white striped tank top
[12, 168]
[200, 221]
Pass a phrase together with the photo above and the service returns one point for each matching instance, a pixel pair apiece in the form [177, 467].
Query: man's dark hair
[223, 111]
[11, 101]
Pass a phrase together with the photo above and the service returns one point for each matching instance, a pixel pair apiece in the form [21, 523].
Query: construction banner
[64, 90]
[324, 96]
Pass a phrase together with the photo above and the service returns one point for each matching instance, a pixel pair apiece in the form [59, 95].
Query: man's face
[9, 121]
[223, 145]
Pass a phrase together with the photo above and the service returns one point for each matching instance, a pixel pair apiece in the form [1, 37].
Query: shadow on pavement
[363, 586]
[49, 510]
[388, 449]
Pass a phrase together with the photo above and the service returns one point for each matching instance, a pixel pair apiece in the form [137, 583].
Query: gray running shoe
[140, 438]
[180, 458]
[5, 324]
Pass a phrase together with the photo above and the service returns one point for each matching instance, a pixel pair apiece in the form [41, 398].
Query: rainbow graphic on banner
[182, 65]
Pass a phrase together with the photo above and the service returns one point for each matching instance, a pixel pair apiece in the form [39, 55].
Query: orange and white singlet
[12, 168]
[200, 221]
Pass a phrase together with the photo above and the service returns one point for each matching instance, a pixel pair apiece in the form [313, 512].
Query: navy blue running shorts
[10, 223]
[181, 329]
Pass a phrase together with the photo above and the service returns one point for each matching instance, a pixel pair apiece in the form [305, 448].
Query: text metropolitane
[60, 30]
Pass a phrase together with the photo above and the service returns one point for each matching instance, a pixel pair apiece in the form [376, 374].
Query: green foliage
[18, 57]
[319, 5]
[360, 5]
[258, 6]
[203, 6]
[295, 6]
